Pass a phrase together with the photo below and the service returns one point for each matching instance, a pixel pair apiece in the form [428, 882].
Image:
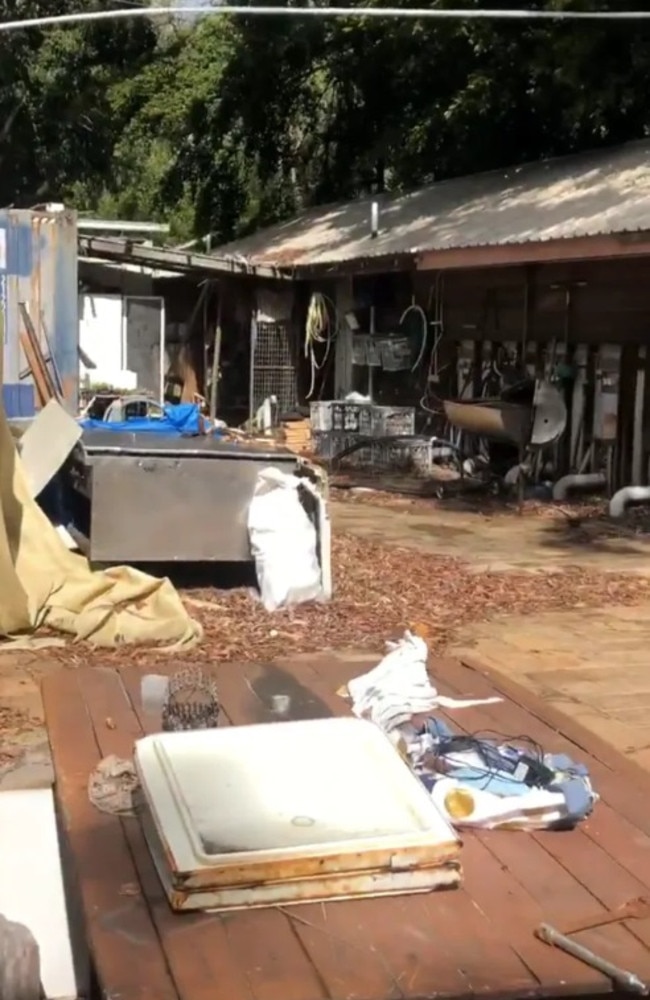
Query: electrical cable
[415, 13]
[489, 740]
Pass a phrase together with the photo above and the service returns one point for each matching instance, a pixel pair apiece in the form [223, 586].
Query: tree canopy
[221, 125]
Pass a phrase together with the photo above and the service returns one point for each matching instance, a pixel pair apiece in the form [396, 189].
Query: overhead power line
[425, 13]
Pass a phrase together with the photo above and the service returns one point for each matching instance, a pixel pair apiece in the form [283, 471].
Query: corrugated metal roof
[602, 192]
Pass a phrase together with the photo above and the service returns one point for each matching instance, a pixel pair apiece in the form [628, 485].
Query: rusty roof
[603, 192]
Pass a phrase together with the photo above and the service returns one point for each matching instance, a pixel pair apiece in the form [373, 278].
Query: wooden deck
[475, 941]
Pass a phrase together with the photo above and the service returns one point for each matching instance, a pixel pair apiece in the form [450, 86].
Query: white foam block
[31, 883]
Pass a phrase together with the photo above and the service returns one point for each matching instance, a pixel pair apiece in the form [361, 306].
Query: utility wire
[415, 13]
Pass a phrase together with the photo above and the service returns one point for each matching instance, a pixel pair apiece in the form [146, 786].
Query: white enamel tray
[288, 811]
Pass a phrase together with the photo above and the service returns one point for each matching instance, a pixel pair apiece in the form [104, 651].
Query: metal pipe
[121, 226]
[415, 13]
[577, 480]
[216, 362]
[629, 494]
[627, 981]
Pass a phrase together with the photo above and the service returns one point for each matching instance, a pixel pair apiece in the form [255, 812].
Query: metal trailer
[142, 497]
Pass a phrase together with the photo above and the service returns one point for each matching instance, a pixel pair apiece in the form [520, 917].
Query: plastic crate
[392, 421]
[412, 454]
[320, 416]
[352, 418]
[367, 419]
[329, 444]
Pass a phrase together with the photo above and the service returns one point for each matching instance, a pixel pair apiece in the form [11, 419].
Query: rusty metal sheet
[496, 420]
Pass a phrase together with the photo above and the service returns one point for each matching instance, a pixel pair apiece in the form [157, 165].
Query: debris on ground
[378, 589]
[477, 780]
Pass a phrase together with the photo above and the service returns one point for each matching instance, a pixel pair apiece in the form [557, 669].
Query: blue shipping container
[38, 267]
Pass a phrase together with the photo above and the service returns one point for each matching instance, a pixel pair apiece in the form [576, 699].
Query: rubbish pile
[477, 780]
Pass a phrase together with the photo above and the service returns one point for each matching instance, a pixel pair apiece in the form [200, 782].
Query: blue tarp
[180, 419]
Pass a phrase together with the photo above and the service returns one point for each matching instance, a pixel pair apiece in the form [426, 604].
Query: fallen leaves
[379, 591]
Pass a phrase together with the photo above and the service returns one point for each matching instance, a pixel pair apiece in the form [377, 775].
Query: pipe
[629, 494]
[121, 226]
[587, 480]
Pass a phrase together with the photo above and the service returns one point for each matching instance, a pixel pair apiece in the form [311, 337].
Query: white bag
[283, 542]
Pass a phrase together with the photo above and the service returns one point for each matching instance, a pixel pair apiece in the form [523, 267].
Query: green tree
[222, 125]
[58, 122]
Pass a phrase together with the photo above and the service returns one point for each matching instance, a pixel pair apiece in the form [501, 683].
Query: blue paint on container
[18, 400]
[38, 261]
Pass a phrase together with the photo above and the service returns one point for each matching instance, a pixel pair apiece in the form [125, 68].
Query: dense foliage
[221, 125]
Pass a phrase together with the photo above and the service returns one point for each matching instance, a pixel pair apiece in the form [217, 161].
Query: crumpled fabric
[399, 687]
[43, 584]
[111, 786]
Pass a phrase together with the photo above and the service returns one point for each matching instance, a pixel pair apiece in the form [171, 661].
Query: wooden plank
[538, 895]
[123, 940]
[458, 969]
[40, 381]
[568, 874]
[513, 910]
[457, 944]
[472, 666]
[34, 356]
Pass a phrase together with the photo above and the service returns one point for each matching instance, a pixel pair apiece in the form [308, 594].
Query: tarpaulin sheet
[43, 584]
[181, 419]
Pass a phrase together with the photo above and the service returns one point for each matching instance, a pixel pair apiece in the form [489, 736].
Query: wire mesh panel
[273, 366]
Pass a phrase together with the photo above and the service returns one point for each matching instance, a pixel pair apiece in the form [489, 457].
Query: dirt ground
[542, 539]
[542, 595]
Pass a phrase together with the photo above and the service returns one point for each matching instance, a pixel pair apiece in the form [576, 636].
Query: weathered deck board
[474, 941]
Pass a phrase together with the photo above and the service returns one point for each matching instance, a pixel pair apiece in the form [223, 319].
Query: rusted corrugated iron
[38, 266]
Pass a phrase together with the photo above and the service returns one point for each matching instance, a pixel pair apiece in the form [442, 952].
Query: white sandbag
[283, 542]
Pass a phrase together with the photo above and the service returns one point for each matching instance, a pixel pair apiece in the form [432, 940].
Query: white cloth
[399, 687]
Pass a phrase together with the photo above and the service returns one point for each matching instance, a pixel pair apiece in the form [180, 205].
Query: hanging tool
[627, 981]
[319, 329]
[419, 311]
